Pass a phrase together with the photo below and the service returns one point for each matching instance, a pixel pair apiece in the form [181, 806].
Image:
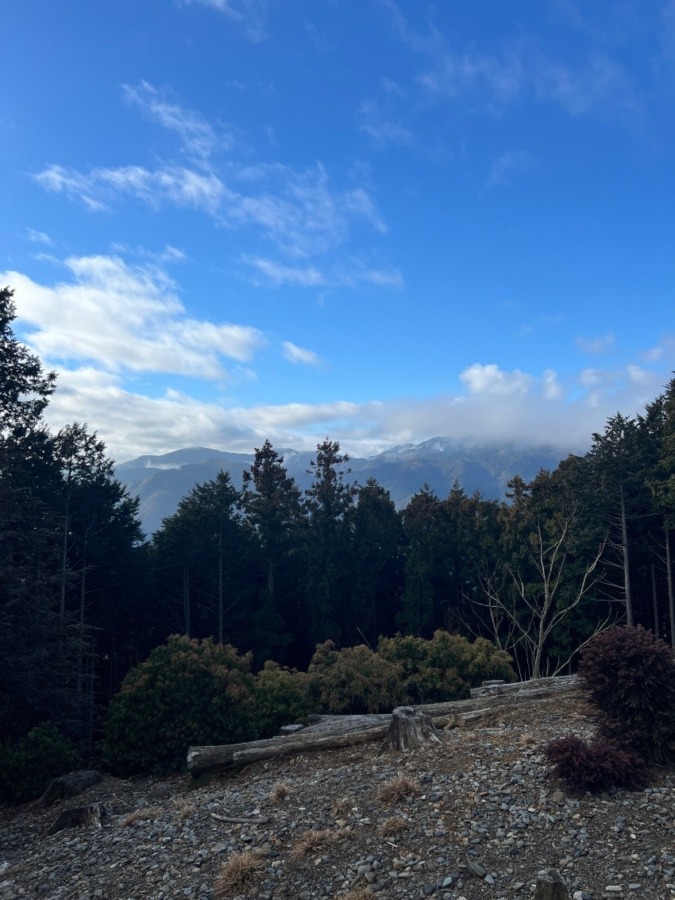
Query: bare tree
[524, 612]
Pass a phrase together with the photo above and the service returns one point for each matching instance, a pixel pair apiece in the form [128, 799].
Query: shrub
[595, 766]
[628, 675]
[281, 697]
[27, 767]
[354, 680]
[186, 692]
[445, 667]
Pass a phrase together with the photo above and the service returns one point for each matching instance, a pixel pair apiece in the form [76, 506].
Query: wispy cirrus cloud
[98, 189]
[249, 15]
[271, 272]
[38, 237]
[522, 69]
[300, 210]
[382, 127]
[300, 355]
[197, 136]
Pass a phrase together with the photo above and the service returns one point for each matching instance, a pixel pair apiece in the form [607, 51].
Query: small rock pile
[476, 816]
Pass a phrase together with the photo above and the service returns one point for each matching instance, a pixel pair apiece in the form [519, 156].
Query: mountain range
[162, 481]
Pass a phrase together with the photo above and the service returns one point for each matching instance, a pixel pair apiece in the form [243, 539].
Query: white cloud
[299, 210]
[523, 69]
[490, 379]
[551, 387]
[596, 345]
[250, 15]
[382, 128]
[173, 185]
[276, 274]
[122, 317]
[497, 407]
[295, 354]
[197, 136]
[38, 237]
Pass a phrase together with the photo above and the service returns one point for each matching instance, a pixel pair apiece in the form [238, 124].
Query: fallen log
[205, 760]
[335, 732]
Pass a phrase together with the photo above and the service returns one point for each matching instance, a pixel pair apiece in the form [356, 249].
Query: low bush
[628, 676]
[281, 697]
[446, 666]
[27, 767]
[595, 766]
[186, 692]
[354, 680]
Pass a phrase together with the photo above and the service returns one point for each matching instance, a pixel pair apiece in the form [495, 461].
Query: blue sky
[227, 220]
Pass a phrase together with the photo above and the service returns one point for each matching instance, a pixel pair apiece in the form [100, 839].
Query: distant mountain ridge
[161, 481]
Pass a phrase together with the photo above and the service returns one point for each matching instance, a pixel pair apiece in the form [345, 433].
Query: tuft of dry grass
[341, 807]
[359, 893]
[236, 874]
[279, 792]
[398, 788]
[393, 825]
[309, 841]
[142, 815]
[184, 808]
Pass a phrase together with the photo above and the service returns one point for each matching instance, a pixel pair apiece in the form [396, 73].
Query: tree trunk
[671, 596]
[626, 562]
[409, 729]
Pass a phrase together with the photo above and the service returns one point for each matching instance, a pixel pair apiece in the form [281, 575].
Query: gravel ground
[476, 816]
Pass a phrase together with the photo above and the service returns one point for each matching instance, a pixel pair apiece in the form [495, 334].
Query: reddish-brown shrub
[629, 677]
[595, 766]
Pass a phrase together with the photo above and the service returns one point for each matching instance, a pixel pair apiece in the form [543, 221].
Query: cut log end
[409, 729]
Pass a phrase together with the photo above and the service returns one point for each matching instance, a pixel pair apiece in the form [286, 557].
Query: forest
[274, 571]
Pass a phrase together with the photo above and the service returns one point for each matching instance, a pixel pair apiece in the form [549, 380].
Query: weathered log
[205, 760]
[334, 732]
[409, 729]
[550, 886]
[69, 785]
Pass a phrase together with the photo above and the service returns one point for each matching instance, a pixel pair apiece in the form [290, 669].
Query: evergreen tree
[328, 503]
[272, 511]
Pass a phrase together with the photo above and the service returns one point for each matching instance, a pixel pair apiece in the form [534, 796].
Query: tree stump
[550, 886]
[410, 728]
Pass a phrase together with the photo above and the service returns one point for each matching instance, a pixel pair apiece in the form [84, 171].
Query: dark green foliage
[27, 767]
[186, 692]
[446, 666]
[595, 766]
[281, 698]
[354, 680]
[629, 677]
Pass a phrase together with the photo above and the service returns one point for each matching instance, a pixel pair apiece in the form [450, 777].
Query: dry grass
[236, 874]
[309, 841]
[142, 815]
[359, 893]
[341, 807]
[398, 788]
[279, 792]
[184, 808]
[393, 825]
